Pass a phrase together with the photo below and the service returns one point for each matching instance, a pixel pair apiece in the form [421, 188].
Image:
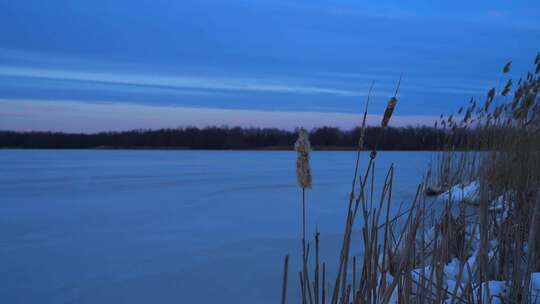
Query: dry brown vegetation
[483, 245]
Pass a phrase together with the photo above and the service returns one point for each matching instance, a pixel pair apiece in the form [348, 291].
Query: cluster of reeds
[482, 248]
[503, 158]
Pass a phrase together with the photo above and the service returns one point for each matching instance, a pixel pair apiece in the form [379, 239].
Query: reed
[303, 173]
[487, 232]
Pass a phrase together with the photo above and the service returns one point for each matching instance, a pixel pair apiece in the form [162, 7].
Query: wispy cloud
[33, 84]
[386, 81]
[180, 81]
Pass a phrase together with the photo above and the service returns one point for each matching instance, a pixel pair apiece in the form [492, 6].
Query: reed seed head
[303, 148]
[517, 97]
[506, 68]
[467, 115]
[507, 88]
[388, 112]
[491, 93]
[528, 102]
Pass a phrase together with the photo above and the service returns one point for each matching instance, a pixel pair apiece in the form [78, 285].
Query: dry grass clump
[483, 245]
[503, 141]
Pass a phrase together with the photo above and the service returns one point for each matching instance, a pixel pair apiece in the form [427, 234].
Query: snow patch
[467, 193]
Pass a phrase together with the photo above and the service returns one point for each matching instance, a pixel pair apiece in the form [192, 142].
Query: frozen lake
[94, 226]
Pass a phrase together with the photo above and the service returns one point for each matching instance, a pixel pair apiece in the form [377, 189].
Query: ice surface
[169, 226]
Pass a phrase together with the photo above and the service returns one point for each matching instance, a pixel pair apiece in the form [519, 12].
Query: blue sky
[98, 65]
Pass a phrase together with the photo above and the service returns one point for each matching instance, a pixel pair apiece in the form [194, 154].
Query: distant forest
[324, 138]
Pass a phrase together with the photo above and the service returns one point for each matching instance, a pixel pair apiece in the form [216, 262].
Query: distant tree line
[409, 138]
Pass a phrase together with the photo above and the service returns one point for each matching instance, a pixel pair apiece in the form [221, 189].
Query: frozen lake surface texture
[94, 226]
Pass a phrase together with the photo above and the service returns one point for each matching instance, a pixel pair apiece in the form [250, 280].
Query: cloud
[73, 116]
[210, 83]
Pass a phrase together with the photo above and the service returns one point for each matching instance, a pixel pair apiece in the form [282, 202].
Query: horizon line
[83, 117]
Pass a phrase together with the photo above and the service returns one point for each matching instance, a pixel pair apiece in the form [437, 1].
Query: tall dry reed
[303, 173]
